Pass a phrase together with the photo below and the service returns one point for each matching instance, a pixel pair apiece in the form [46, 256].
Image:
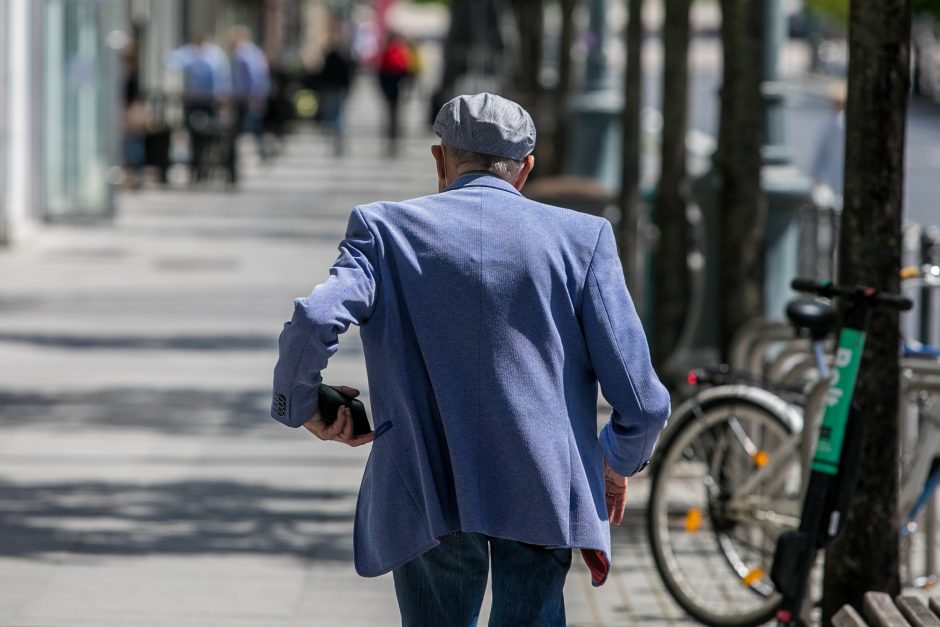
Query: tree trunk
[671, 288]
[459, 39]
[527, 88]
[865, 557]
[630, 156]
[529, 19]
[742, 208]
[474, 45]
[563, 89]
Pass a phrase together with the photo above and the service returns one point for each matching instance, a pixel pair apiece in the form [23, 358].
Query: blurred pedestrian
[135, 120]
[206, 83]
[487, 321]
[334, 81]
[251, 84]
[828, 164]
[395, 67]
[280, 109]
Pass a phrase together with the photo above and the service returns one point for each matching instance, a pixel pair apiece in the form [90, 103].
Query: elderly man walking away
[487, 321]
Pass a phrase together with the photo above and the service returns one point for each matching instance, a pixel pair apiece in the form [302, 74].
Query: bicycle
[711, 440]
[728, 479]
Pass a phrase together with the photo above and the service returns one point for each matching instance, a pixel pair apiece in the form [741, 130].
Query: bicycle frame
[742, 393]
[837, 456]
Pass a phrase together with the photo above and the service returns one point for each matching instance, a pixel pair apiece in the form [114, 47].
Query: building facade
[62, 85]
[59, 111]
[18, 124]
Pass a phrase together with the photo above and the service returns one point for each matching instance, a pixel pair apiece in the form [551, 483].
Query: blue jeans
[444, 587]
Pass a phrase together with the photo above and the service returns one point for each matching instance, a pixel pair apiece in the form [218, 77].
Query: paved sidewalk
[141, 479]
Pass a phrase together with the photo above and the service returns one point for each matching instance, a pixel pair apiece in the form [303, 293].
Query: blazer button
[280, 404]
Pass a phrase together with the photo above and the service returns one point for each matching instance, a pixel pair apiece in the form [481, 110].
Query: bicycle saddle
[816, 316]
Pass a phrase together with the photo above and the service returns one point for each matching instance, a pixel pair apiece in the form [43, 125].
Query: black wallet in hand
[331, 399]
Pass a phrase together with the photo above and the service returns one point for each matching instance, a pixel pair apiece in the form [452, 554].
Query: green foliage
[838, 10]
[835, 10]
[926, 8]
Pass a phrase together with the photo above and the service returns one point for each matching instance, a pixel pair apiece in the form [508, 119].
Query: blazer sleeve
[311, 337]
[620, 358]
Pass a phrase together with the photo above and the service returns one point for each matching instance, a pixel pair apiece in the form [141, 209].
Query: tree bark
[527, 88]
[865, 557]
[630, 156]
[474, 44]
[563, 89]
[742, 207]
[529, 18]
[459, 39]
[671, 287]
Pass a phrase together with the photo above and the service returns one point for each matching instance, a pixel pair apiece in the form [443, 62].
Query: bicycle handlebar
[866, 295]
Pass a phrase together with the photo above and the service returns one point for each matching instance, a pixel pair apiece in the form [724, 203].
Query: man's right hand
[341, 429]
[615, 494]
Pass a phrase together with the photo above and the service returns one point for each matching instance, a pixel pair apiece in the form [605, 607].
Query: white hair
[502, 167]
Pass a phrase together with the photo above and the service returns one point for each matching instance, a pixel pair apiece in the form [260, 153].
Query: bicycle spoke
[780, 514]
[712, 541]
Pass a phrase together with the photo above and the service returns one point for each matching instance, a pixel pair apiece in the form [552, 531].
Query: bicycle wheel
[726, 484]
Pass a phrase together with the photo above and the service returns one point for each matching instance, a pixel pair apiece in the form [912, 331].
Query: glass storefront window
[82, 116]
[4, 121]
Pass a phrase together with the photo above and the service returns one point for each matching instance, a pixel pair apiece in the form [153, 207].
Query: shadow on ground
[167, 411]
[134, 342]
[192, 517]
[142, 342]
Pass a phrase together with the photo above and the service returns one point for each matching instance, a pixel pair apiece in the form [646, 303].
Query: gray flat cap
[487, 124]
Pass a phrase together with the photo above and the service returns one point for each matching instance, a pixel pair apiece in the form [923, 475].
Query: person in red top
[395, 64]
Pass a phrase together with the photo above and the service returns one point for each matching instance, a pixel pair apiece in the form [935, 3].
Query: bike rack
[921, 378]
[922, 245]
[930, 327]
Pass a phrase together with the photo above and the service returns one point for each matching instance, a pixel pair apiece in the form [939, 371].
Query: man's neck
[471, 170]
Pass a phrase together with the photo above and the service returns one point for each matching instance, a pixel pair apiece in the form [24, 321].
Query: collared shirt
[251, 77]
[205, 68]
[487, 321]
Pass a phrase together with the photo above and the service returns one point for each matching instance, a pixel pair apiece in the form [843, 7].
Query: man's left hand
[615, 493]
[342, 428]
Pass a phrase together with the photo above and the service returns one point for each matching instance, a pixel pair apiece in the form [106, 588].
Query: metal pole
[5, 152]
[930, 305]
[594, 149]
[775, 33]
[785, 188]
[596, 76]
[930, 536]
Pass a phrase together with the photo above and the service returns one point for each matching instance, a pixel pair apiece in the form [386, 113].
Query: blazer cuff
[623, 462]
[295, 391]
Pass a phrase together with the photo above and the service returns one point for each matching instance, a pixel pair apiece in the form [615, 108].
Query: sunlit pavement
[141, 479]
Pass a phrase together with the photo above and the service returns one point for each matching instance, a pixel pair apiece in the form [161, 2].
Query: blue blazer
[487, 321]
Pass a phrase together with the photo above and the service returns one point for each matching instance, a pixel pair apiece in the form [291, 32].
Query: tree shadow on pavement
[137, 342]
[204, 342]
[191, 517]
[168, 411]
